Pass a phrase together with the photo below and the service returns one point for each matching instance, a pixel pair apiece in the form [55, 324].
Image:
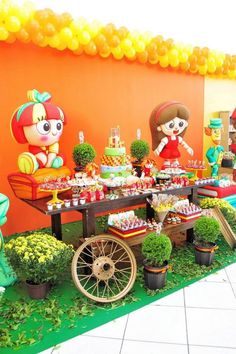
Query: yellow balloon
[78, 25]
[202, 69]
[153, 59]
[73, 44]
[93, 28]
[117, 53]
[139, 46]
[183, 57]
[3, 33]
[54, 41]
[4, 10]
[84, 37]
[130, 53]
[174, 62]
[173, 54]
[66, 34]
[211, 68]
[126, 44]
[164, 61]
[61, 46]
[189, 49]
[231, 74]
[12, 24]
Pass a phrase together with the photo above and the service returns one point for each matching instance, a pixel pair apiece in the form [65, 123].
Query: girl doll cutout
[40, 124]
[168, 123]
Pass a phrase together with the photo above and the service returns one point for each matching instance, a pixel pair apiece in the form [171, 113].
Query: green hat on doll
[215, 123]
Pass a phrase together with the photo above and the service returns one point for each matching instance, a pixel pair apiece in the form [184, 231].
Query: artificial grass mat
[30, 326]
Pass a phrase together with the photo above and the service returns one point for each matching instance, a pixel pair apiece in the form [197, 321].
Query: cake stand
[55, 192]
[194, 170]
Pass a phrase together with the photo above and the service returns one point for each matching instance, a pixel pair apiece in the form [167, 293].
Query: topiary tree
[83, 154]
[139, 149]
[206, 230]
[156, 249]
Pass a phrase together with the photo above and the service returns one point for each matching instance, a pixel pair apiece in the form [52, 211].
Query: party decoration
[7, 276]
[61, 31]
[168, 123]
[215, 153]
[40, 124]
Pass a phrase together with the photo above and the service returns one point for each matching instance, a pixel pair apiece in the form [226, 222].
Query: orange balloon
[100, 40]
[49, 29]
[158, 40]
[205, 51]
[185, 66]
[38, 38]
[142, 57]
[122, 32]
[114, 41]
[202, 60]
[23, 36]
[169, 43]
[152, 48]
[104, 50]
[42, 16]
[108, 30]
[79, 51]
[162, 49]
[197, 51]
[64, 20]
[90, 48]
[33, 26]
[193, 59]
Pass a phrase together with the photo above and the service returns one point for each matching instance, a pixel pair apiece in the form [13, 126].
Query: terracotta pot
[37, 291]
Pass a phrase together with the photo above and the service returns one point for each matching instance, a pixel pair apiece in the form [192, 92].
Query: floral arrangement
[162, 202]
[39, 257]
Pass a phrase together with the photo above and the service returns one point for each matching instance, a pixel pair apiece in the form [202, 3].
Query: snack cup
[82, 200]
[50, 206]
[58, 205]
[75, 201]
[67, 203]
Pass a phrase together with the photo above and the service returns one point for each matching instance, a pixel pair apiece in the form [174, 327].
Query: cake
[115, 162]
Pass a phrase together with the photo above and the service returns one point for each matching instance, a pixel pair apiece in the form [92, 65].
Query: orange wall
[96, 94]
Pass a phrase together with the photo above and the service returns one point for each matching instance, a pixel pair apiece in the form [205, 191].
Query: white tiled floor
[199, 319]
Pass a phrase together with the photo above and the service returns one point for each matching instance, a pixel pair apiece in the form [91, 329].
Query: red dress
[170, 150]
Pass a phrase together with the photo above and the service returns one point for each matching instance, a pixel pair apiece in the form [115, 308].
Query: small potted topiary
[206, 231]
[82, 155]
[139, 149]
[156, 250]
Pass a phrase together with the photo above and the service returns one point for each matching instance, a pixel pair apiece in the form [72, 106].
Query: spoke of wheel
[120, 280]
[120, 259]
[124, 274]
[110, 255]
[88, 255]
[108, 287]
[96, 287]
[115, 280]
[88, 277]
[89, 265]
[104, 247]
[83, 261]
[92, 286]
[88, 248]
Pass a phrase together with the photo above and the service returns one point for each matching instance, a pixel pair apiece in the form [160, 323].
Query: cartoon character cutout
[40, 124]
[215, 153]
[168, 124]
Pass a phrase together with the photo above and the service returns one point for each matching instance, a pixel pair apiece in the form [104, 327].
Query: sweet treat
[115, 162]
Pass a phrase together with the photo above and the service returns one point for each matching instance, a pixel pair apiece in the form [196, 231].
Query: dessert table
[91, 209]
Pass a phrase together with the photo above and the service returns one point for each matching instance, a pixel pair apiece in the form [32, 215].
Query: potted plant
[139, 149]
[206, 231]
[156, 250]
[39, 259]
[82, 155]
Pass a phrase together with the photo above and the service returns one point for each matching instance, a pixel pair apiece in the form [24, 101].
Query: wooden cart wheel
[104, 268]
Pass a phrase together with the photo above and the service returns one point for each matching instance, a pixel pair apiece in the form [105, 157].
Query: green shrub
[206, 229]
[83, 154]
[39, 257]
[156, 249]
[139, 149]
